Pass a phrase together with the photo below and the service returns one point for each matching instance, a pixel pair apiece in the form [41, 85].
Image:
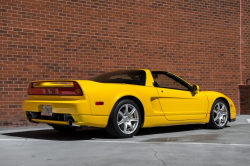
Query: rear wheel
[124, 120]
[219, 115]
[64, 129]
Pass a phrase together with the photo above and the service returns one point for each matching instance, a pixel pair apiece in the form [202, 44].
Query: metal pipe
[240, 43]
[70, 121]
[30, 118]
[240, 60]
[75, 125]
[247, 81]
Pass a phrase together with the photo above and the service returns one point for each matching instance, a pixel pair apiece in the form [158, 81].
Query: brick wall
[198, 40]
[244, 99]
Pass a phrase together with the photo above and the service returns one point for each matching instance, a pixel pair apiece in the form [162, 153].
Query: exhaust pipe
[70, 122]
[30, 118]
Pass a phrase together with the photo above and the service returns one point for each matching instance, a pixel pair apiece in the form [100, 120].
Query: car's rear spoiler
[55, 84]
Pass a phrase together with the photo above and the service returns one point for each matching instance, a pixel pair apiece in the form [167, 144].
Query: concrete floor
[176, 145]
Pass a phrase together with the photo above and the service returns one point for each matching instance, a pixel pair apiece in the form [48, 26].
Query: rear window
[135, 77]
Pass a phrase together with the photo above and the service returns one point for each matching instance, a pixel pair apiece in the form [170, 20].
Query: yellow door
[177, 100]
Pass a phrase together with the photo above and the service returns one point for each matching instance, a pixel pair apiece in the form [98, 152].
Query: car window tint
[136, 77]
[122, 76]
[167, 82]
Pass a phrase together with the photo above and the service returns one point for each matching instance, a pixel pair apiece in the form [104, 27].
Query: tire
[219, 115]
[124, 120]
[64, 129]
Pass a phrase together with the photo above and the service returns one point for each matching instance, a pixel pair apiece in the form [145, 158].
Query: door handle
[162, 91]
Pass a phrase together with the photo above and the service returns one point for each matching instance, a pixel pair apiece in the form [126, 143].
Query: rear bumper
[73, 107]
[80, 110]
[232, 116]
[81, 120]
[232, 120]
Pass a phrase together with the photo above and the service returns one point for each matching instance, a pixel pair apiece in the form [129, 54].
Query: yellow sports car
[124, 101]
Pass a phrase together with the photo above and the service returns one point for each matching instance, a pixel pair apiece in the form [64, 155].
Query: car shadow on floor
[88, 133]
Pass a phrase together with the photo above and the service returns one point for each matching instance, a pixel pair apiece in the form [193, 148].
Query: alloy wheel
[127, 118]
[220, 114]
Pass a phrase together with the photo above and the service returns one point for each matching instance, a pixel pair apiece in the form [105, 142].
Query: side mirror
[196, 88]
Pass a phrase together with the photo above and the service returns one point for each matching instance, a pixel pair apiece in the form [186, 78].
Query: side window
[135, 77]
[163, 81]
[123, 76]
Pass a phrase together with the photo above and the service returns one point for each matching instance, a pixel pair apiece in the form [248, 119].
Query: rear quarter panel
[110, 93]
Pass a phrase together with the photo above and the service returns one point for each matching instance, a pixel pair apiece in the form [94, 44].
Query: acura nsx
[124, 101]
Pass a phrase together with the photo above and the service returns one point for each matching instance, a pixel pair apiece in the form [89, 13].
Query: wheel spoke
[121, 113]
[125, 127]
[215, 111]
[130, 126]
[218, 106]
[131, 112]
[121, 122]
[224, 114]
[126, 110]
[223, 107]
[220, 121]
[216, 118]
[134, 119]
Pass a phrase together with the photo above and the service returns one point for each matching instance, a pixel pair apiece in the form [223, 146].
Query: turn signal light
[99, 103]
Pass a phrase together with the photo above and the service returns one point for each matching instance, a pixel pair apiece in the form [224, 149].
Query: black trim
[174, 78]
[105, 78]
[232, 120]
[54, 117]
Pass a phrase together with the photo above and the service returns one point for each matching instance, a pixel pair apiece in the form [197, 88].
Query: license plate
[47, 110]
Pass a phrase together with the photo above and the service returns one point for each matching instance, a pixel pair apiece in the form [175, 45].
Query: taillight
[67, 91]
[77, 89]
[36, 91]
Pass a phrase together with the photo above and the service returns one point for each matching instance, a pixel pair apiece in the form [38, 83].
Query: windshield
[136, 77]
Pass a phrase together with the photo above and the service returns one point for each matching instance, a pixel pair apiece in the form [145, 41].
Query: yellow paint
[90, 120]
[183, 105]
[50, 121]
[52, 84]
[81, 120]
[197, 89]
[75, 107]
[212, 96]
[161, 121]
[172, 107]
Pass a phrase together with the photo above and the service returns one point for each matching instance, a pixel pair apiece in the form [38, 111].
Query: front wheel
[124, 120]
[219, 115]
